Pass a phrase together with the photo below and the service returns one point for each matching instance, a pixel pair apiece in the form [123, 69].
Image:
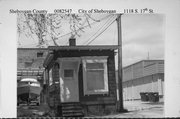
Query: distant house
[30, 63]
[81, 80]
[143, 76]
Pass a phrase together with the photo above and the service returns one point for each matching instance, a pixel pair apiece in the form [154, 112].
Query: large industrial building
[143, 76]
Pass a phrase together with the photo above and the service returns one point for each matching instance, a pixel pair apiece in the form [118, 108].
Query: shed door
[69, 90]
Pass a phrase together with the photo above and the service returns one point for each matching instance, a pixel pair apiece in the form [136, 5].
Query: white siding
[160, 67]
[129, 90]
[132, 88]
[125, 91]
[150, 69]
[127, 73]
[155, 84]
[147, 84]
[138, 70]
[143, 77]
[137, 88]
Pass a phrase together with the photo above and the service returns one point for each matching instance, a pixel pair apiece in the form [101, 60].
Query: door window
[68, 73]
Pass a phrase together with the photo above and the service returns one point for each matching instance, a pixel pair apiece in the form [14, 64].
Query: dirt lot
[146, 113]
[136, 109]
[33, 111]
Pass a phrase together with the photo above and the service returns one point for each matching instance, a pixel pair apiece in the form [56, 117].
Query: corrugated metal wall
[160, 67]
[132, 88]
[128, 73]
[143, 68]
[150, 69]
[138, 70]
[145, 76]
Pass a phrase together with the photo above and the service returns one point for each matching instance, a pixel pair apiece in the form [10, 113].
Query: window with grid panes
[95, 75]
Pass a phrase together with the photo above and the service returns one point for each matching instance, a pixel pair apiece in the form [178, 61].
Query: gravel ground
[136, 109]
[146, 113]
[33, 111]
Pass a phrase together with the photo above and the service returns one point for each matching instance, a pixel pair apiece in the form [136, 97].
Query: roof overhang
[51, 49]
[89, 47]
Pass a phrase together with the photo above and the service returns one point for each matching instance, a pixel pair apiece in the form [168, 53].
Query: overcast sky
[141, 35]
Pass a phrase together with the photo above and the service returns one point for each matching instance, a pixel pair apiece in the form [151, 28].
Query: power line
[71, 32]
[115, 34]
[101, 32]
[107, 22]
[96, 22]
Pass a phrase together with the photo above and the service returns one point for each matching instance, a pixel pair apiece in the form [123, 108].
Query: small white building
[143, 76]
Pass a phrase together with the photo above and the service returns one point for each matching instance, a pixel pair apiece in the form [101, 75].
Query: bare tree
[43, 25]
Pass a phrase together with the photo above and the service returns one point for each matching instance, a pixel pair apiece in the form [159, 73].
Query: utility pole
[120, 72]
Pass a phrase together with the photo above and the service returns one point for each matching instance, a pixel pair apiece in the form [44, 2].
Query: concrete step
[73, 115]
[72, 109]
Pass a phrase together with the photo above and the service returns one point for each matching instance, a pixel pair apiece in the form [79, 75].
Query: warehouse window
[95, 75]
[39, 54]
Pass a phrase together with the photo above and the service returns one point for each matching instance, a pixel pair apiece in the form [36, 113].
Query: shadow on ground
[154, 103]
[34, 111]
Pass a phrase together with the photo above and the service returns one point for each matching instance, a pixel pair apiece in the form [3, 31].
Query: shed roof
[83, 47]
[78, 48]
